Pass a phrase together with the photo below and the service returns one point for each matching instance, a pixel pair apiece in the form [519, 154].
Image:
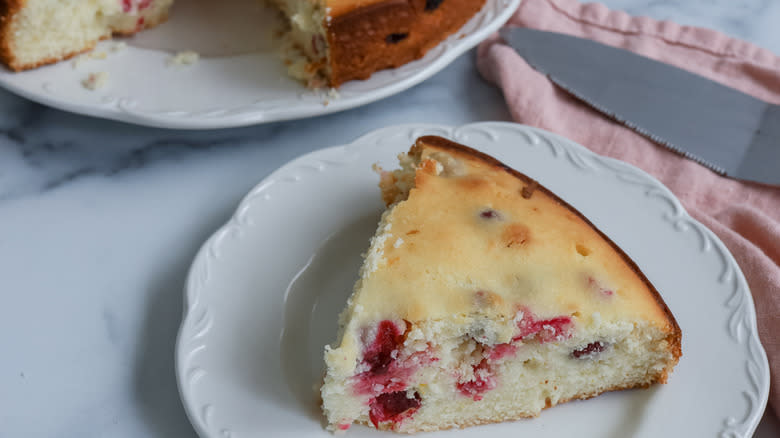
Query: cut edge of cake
[355, 392]
[304, 41]
[22, 22]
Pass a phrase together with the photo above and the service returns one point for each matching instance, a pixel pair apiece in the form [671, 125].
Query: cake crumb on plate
[95, 81]
[187, 57]
[118, 46]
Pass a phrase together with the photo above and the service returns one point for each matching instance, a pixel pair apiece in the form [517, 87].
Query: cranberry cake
[484, 298]
[336, 40]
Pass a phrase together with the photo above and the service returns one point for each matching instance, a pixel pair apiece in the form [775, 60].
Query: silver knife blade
[726, 130]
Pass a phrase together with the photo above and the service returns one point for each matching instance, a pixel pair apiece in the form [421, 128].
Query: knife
[730, 132]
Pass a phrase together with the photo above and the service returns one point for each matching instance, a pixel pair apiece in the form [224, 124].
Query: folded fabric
[745, 216]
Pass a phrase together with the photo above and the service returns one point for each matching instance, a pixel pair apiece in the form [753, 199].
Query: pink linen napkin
[745, 216]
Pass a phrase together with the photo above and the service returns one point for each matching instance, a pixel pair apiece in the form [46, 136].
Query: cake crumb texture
[187, 57]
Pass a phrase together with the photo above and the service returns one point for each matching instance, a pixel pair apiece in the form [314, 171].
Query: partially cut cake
[484, 298]
[338, 40]
[351, 39]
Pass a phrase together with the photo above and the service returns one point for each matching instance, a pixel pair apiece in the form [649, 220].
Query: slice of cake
[484, 298]
[38, 32]
[340, 40]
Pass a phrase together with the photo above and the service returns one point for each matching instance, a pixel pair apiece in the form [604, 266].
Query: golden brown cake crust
[8, 8]
[8, 11]
[675, 336]
[391, 33]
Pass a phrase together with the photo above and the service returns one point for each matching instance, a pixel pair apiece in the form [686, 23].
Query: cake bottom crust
[484, 421]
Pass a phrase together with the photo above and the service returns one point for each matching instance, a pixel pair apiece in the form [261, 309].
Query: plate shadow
[315, 297]
[154, 374]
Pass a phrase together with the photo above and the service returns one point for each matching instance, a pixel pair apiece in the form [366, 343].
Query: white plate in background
[239, 80]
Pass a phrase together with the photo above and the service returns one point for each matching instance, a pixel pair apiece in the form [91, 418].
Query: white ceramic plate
[240, 79]
[264, 292]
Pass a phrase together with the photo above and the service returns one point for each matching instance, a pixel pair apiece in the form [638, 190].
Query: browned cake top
[477, 238]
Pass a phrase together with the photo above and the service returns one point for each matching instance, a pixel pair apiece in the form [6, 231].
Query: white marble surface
[99, 222]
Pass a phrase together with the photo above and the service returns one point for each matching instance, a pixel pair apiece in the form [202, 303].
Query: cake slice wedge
[484, 298]
[39, 32]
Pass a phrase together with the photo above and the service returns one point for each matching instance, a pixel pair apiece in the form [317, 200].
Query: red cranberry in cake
[383, 350]
[382, 371]
[395, 38]
[482, 304]
[432, 5]
[489, 213]
[482, 381]
[589, 350]
[386, 365]
[545, 330]
[392, 407]
[135, 5]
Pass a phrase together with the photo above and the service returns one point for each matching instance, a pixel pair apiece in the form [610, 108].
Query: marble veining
[99, 222]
